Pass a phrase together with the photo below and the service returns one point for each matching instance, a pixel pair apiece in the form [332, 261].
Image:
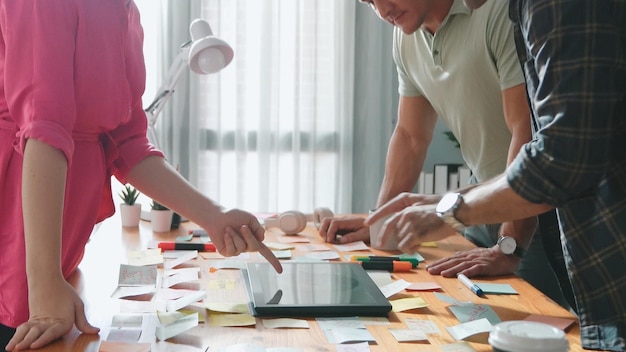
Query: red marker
[187, 246]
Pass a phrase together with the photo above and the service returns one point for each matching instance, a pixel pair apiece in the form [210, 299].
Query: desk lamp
[204, 54]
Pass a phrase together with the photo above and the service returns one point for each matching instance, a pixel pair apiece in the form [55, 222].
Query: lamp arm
[165, 91]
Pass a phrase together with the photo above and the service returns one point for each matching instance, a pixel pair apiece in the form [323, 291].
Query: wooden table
[98, 276]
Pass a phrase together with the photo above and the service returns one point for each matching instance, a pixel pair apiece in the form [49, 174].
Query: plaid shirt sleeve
[577, 92]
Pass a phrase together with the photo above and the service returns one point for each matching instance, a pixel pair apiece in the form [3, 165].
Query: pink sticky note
[108, 346]
[423, 286]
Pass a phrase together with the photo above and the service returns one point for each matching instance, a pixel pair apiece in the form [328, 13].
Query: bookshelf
[443, 178]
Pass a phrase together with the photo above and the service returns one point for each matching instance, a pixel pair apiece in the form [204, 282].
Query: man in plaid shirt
[574, 56]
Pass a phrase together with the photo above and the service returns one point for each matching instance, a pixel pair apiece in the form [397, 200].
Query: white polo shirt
[462, 70]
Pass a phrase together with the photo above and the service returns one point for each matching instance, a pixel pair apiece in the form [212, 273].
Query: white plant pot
[130, 214]
[161, 220]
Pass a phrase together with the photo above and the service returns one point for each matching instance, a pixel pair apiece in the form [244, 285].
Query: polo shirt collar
[457, 8]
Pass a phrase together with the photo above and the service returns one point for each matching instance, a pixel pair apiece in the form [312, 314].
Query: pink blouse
[72, 75]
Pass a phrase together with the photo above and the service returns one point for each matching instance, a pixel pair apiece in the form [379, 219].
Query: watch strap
[448, 215]
[519, 252]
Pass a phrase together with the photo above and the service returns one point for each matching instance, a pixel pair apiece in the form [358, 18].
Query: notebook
[313, 290]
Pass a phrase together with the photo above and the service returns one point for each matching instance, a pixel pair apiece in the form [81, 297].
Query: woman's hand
[242, 232]
[54, 309]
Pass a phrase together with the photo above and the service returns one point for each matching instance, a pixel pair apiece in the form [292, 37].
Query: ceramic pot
[161, 220]
[130, 214]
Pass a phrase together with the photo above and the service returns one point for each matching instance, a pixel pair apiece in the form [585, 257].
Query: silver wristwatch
[508, 245]
[446, 209]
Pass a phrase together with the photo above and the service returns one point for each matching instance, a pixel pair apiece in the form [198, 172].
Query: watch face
[507, 245]
[447, 202]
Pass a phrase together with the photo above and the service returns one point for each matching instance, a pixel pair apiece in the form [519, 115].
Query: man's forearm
[495, 202]
[402, 168]
[407, 147]
[394, 184]
[522, 230]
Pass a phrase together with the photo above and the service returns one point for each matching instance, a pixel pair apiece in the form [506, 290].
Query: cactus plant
[129, 194]
[158, 206]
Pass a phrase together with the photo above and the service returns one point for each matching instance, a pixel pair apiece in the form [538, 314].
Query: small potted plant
[130, 210]
[160, 217]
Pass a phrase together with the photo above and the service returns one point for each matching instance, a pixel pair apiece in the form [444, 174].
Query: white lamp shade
[204, 54]
[209, 55]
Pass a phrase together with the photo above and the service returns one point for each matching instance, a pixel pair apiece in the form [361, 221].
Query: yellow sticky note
[400, 305]
[169, 317]
[190, 311]
[231, 320]
[227, 307]
[428, 244]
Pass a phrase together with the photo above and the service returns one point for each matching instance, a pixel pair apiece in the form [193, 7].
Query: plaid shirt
[574, 57]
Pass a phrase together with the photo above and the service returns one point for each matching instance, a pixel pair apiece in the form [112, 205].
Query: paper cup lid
[527, 336]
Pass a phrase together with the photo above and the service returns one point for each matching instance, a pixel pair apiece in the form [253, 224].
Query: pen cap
[527, 336]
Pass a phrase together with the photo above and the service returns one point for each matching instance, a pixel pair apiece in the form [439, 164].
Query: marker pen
[392, 266]
[414, 262]
[469, 284]
[377, 257]
[188, 246]
[198, 232]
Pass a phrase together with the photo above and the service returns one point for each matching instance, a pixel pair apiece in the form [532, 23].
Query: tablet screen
[314, 289]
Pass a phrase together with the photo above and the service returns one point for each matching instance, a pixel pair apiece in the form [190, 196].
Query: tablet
[313, 290]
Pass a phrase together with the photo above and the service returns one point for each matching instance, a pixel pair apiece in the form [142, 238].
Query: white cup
[375, 233]
[527, 336]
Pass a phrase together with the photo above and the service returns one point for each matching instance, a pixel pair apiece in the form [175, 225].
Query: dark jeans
[6, 333]
[551, 237]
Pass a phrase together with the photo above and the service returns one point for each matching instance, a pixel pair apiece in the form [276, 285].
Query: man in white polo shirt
[461, 66]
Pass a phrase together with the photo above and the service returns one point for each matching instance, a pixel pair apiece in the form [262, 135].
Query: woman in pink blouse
[72, 76]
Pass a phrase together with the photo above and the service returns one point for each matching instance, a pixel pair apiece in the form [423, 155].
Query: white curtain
[273, 131]
[375, 105]
[302, 116]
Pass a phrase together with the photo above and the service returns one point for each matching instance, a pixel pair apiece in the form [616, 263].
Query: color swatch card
[351, 247]
[469, 329]
[467, 312]
[344, 335]
[394, 287]
[408, 335]
[289, 323]
[131, 275]
[423, 325]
